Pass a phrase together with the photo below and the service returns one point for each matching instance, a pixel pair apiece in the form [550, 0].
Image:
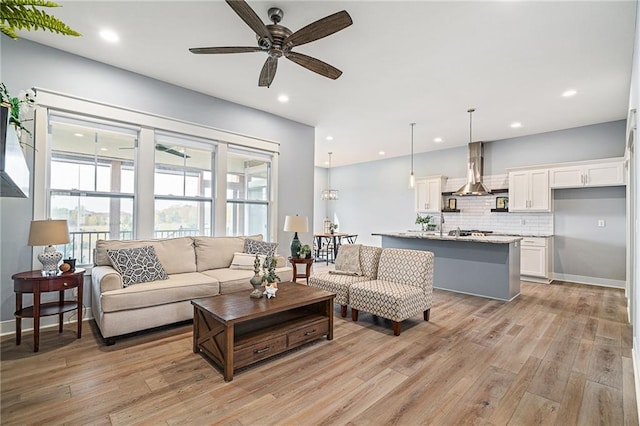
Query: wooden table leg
[308, 272]
[18, 319]
[329, 310]
[60, 316]
[228, 361]
[36, 318]
[196, 330]
[80, 301]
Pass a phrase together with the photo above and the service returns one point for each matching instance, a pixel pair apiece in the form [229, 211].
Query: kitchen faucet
[441, 222]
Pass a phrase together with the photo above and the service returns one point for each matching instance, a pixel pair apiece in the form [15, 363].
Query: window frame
[149, 123]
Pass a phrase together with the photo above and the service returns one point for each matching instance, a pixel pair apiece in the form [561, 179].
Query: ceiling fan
[277, 41]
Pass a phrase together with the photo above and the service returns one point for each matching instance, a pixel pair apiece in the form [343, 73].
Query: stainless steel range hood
[474, 185]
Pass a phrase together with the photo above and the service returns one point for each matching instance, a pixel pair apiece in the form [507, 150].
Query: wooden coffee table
[234, 330]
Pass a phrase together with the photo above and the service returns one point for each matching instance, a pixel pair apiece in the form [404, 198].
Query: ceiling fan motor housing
[275, 14]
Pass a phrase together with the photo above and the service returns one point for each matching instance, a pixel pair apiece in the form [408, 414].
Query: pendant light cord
[470, 111]
[412, 124]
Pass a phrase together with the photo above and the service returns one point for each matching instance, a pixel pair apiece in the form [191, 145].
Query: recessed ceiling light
[569, 93]
[329, 138]
[516, 125]
[437, 140]
[326, 163]
[109, 35]
[283, 98]
[381, 152]
[104, 149]
[78, 135]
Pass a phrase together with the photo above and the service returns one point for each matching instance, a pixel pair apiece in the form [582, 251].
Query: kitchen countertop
[493, 239]
[499, 234]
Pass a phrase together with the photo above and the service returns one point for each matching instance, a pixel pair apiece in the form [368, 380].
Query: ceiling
[415, 61]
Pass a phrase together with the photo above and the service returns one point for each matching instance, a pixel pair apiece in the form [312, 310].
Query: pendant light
[412, 178]
[329, 194]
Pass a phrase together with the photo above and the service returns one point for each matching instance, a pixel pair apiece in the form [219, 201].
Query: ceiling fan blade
[199, 50]
[268, 72]
[315, 65]
[320, 28]
[247, 14]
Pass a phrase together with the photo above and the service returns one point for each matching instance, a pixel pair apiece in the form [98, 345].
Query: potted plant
[425, 222]
[305, 251]
[333, 227]
[269, 273]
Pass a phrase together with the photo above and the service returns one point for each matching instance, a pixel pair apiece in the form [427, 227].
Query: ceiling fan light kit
[277, 41]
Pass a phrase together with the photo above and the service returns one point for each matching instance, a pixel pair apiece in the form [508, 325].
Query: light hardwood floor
[558, 354]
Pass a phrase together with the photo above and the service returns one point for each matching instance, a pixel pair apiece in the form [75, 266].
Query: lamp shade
[48, 232]
[296, 224]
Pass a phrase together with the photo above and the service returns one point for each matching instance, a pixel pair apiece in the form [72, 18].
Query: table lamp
[295, 224]
[49, 233]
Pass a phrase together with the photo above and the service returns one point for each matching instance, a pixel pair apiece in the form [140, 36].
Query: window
[183, 186]
[248, 194]
[91, 182]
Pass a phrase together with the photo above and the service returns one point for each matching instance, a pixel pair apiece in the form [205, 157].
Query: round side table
[301, 260]
[34, 282]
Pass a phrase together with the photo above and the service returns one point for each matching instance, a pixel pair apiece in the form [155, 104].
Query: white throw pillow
[245, 261]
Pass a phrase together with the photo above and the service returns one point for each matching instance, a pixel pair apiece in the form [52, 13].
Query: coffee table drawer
[245, 355]
[308, 333]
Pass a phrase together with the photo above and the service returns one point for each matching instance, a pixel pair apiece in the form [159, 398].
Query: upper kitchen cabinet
[529, 191]
[608, 172]
[428, 194]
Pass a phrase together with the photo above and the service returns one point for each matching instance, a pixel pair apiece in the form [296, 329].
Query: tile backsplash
[475, 212]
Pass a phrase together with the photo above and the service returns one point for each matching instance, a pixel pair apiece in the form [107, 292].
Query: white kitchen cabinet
[535, 259]
[602, 173]
[529, 191]
[428, 194]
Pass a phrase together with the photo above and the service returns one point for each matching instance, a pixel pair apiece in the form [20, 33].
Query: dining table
[335, 238]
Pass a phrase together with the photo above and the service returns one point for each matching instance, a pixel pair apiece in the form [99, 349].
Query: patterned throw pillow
[260, 247]
[348, 260]
[137, 265]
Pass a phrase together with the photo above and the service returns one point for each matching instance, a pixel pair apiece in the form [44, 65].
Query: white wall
[26, 64]
[375, 197]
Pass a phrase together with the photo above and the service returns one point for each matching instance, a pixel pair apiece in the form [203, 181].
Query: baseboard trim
[636, 379]
[579, 279]
[9, 326]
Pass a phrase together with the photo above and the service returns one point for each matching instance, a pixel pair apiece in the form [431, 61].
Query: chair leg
[426, 314]
[396, 328]
[343, 311]
[354, 314]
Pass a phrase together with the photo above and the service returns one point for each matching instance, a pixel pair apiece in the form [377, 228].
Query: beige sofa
[196, 267]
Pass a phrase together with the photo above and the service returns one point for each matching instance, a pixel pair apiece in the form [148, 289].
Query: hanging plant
[18, 106]
[23, 15]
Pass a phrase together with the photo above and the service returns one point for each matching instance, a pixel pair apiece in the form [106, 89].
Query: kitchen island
[487, 266]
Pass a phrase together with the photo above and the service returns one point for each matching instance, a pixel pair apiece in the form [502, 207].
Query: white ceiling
[415, 61]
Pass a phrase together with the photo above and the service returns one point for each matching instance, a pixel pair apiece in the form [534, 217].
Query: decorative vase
[256, 280]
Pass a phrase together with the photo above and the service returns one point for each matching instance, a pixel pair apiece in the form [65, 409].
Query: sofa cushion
[387, 299]
[137, 265]
[176, 254]
[232, 280]
[336, 283]
[246, 261]
[369, 259]
[217, 252]
[348, 259]
[178, 287]
[416, 266]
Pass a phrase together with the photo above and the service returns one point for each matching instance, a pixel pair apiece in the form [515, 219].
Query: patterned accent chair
[404, 287]
[340, 284]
